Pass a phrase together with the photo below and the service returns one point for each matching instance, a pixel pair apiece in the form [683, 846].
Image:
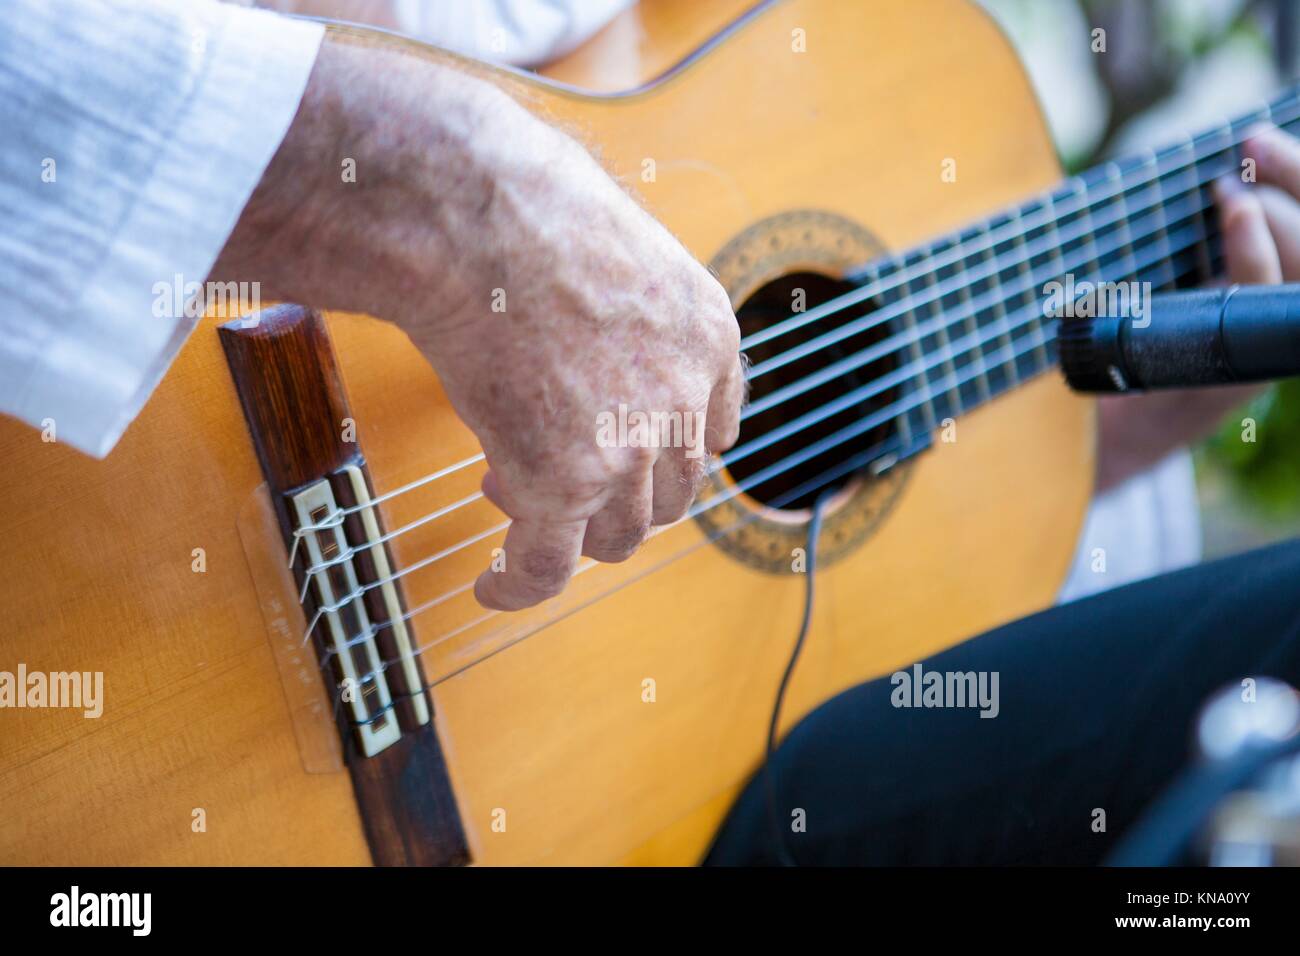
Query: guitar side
[100, 557]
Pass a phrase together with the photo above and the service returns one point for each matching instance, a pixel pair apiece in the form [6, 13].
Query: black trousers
[1097, 701]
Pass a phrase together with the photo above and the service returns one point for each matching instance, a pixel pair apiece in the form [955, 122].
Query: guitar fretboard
[971, 304]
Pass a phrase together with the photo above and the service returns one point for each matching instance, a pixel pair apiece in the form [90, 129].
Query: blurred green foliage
[1266, 472]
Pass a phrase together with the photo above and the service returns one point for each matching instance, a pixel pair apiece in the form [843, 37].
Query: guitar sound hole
[774, 303]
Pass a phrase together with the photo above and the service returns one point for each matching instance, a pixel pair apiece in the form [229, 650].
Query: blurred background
[1173, 66]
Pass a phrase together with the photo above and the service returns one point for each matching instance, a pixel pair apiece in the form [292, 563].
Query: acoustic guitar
[272, 570]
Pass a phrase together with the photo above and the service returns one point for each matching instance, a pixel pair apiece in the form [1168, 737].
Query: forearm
[380, 186]
[1138, 431]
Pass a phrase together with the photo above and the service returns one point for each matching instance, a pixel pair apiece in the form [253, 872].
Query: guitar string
[347, 553]
[1024, 253]
[881, 416]
[902, 376]
[877, 418]
[1076, 187]
[839, 333]
[1160, 213]
[869, 389]
[342, 513]
[962, 249]
[808, 487]
[887, 347]
[795, 426]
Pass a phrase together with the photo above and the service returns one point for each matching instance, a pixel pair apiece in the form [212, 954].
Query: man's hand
[1260, 224]
[543, 295]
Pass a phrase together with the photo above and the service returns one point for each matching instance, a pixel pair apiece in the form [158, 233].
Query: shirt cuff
[256, 70]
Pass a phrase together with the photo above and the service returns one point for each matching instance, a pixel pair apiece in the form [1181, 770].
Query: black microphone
[1185, 339]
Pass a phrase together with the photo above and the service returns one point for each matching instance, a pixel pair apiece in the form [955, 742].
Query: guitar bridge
[289, 385]
[357, 599]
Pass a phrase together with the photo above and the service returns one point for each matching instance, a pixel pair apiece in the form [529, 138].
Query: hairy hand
[576, 309]
[551, 305]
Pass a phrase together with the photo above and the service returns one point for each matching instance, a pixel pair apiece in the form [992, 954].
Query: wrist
[381, 187]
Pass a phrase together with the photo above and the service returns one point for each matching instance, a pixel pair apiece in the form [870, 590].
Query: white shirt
[129, 149]
[1146, 526]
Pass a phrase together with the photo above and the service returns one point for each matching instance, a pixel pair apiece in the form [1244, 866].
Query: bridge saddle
[379, 681]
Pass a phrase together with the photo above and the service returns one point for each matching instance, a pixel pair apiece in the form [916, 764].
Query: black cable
[814, 532]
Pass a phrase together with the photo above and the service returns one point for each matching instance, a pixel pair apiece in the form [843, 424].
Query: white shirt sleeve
[132, 133]
[1148, 525]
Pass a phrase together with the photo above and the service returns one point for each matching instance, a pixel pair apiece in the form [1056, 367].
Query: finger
[679, 474]
[1283, 215]
[1277, 158]
[1247, 243]
[617, 530]
[540, 557]
[494, 492]
[722, 420]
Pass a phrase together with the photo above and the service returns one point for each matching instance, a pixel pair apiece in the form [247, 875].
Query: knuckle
[730, 337]
[669, 512]
[718, 315]
[544, 570]
[620, 544]
[726, 336]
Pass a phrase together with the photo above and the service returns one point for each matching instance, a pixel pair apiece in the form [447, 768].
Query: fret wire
[1090, 238]
[983, 388]
[1204, 268]
[1027, 296]
[1000, 310]
[876, 272]
[1069, 188]
[1122, 227]
[1190, 274]
[1220, 161]
[945, 346]
[908, 319]
[1057, 255]
[1124, 261]
[1160, 205]
[1039, 356]
[868, 390]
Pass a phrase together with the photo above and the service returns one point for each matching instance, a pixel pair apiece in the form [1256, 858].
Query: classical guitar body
[800, 139]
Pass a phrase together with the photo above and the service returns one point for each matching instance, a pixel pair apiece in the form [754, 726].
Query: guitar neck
[970, 307]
